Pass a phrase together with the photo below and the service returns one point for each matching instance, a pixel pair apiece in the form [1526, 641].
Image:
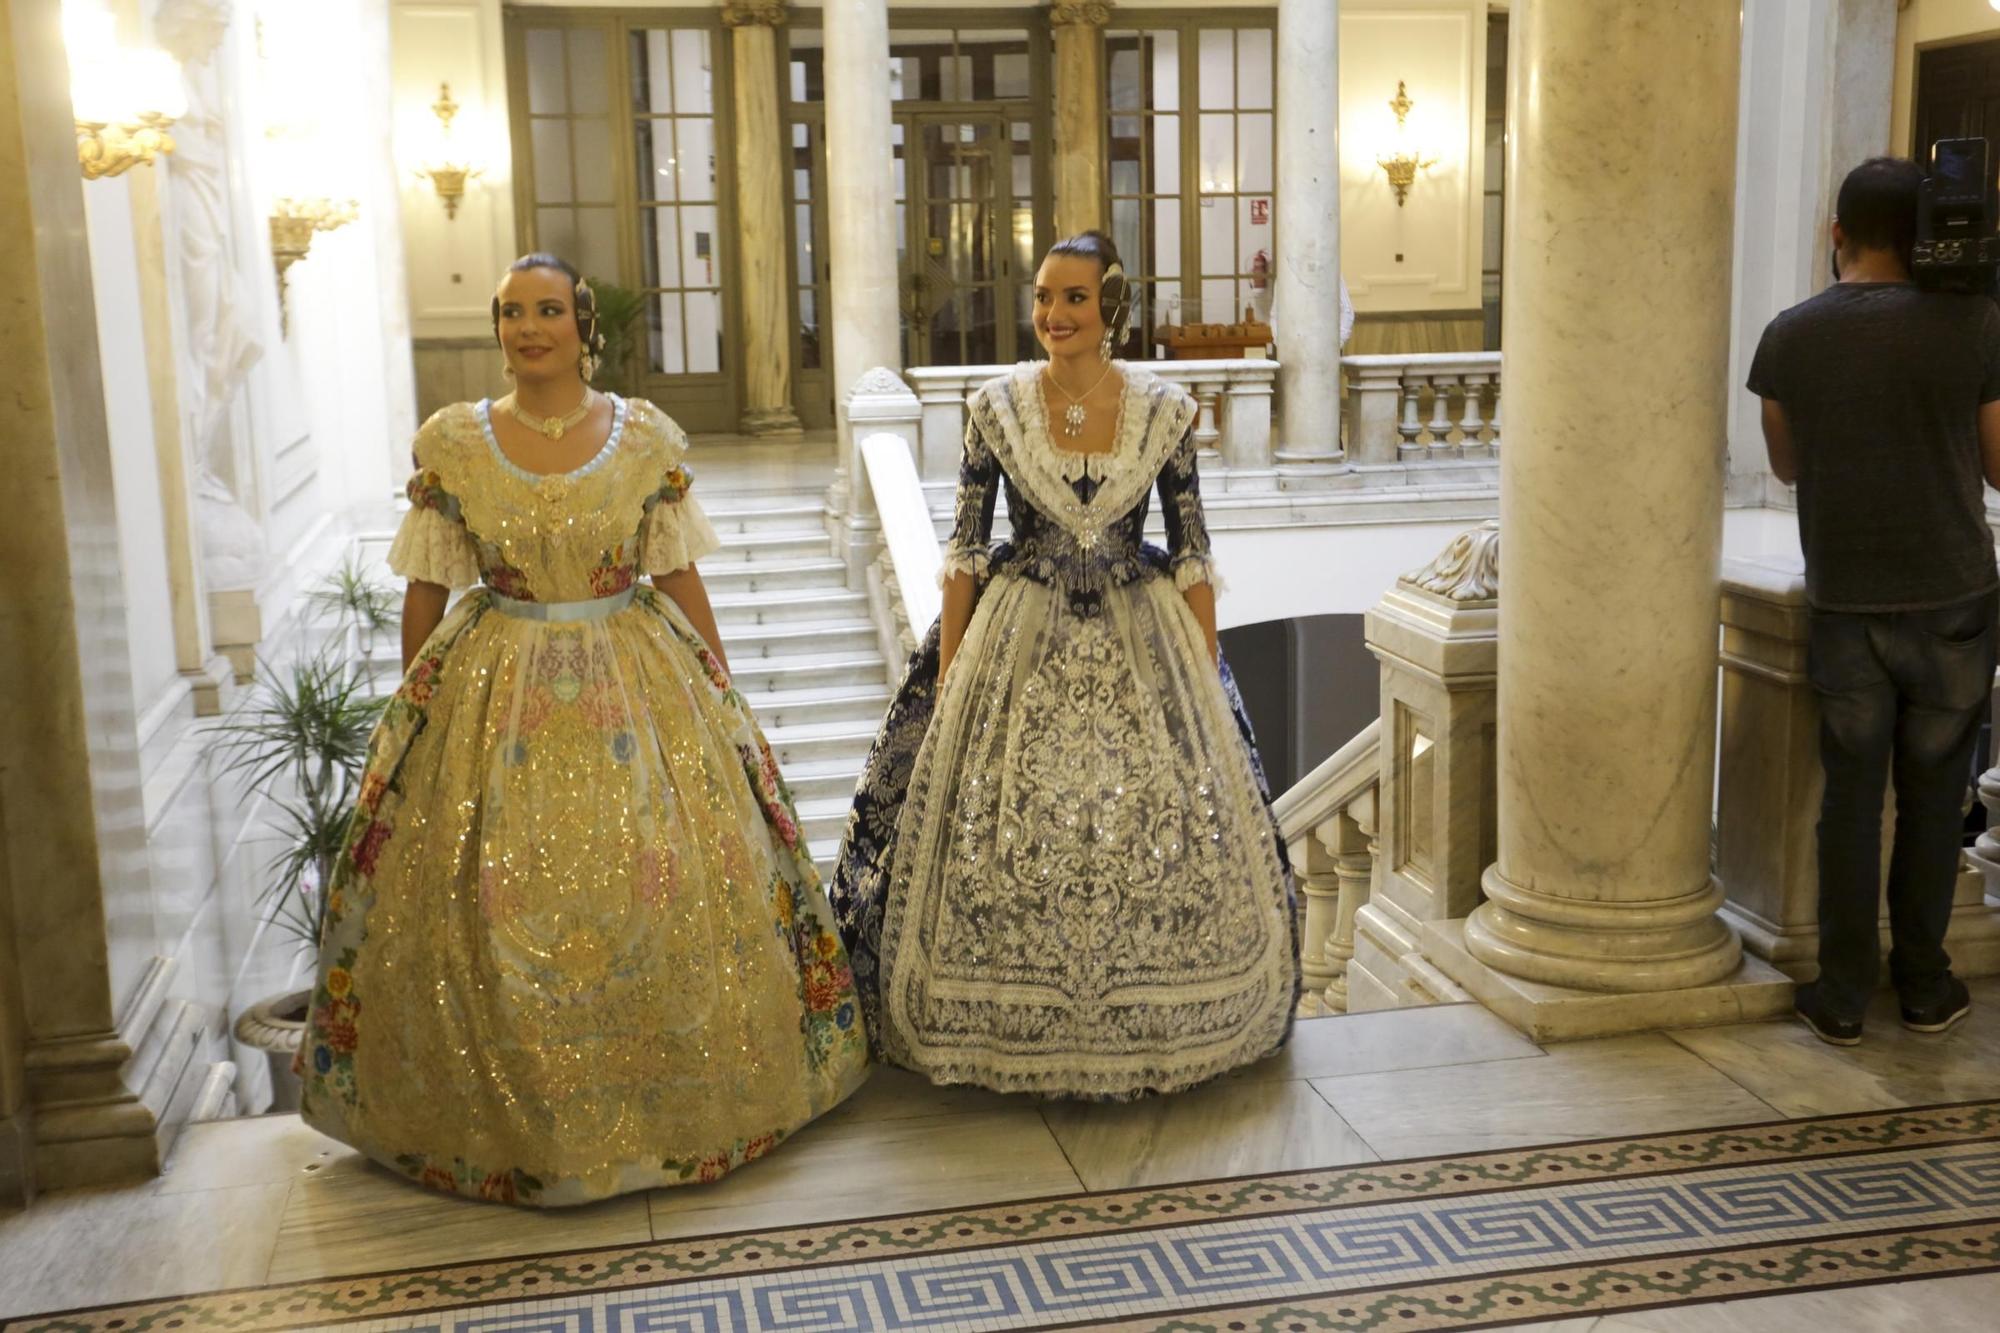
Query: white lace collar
[1153, 415]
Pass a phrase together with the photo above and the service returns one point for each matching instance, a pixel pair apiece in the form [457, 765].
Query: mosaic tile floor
[1472, 1240]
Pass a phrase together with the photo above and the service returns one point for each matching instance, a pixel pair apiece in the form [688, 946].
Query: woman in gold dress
[575, 945]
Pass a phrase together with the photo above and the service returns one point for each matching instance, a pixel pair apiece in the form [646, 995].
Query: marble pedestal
[1770, 783]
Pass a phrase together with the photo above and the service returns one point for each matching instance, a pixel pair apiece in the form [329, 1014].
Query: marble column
[1078, 28]
[69, 785]
[1306, 295]
[761, 148]
[861, 188]
[1623, 150]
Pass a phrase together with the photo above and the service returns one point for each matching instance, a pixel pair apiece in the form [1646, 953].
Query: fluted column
[861, 203]
[1306, 298]
[760, 217]
[1622, 162]
[1078, 27]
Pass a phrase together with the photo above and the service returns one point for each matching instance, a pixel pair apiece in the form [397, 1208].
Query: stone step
[782, 514]
[809, 638]
[814, 742]
[737, 607]
[848, 703]
[759, 675]
[776, 576]
[821, 780]
[824, 820]
[760, 548]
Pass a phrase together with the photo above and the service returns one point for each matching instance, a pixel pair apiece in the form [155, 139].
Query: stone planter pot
[277, 1027]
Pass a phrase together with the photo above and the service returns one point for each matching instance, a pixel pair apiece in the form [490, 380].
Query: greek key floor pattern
[1473, 1241]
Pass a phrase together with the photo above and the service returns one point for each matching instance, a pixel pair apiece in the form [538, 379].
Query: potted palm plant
[301, 738]
[618, 313]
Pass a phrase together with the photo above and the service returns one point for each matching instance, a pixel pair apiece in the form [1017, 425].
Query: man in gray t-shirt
[1882, 401]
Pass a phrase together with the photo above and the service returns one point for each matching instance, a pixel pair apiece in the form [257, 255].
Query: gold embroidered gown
[575, 945]
[1061, 874]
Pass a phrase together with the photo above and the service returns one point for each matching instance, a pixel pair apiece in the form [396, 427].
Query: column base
[770, 421]
[89, 1127]
[1664, 944]
[214, 687]
[1297, 470]
[1753, 990]
[1972, 938]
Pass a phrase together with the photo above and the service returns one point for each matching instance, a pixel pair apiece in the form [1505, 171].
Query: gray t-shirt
[1881, 385]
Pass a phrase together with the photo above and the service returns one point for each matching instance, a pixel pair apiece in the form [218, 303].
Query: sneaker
[1940, 1017]
[1828, 1027]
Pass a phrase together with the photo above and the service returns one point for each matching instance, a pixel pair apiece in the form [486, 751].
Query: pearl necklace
[1076, 413]
[553, 428]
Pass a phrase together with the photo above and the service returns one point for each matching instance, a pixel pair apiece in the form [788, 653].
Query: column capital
[756, 13]
[1079, 13]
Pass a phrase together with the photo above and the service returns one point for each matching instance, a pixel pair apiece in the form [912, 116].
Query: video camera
[1958, 220]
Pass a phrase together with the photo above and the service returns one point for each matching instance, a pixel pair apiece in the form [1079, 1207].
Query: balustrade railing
[1328, 822]
[1422, 407]
[902, 581]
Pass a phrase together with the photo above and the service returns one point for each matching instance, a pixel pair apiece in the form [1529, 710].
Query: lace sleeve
[676, 532]
[972, 524]
[433, 545]
[1187, 530]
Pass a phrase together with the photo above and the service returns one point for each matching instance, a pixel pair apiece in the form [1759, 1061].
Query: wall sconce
[294, 223]
[447, 174]
[123, 98]
[1402, 166]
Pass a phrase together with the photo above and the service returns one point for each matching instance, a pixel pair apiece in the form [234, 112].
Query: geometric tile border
[1468, 1241]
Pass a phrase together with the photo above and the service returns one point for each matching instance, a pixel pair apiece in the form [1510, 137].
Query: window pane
[555, 231]
[589, 70]
[1218, 299]
[1166, 238]
[1252, 235]
[1217, 79]
[1125, 214]
[699, 259]
[652, 79]
[1218, 236]
[1166, 145]
[1253, 147]
[654, 164]
[798, 72]
[1123, 89]
[1025, 258]
[802, 258]
[665, 341]
[1218, 154]
[1124, 176]
[659, 247]
[809, 353]
[545, 70]
[1253, 67]
[691, 79]
[704, 332]
[596, 252]
[1163, 51]
[1166, 302]
[552, 165]
[694, 143]
[591, 141]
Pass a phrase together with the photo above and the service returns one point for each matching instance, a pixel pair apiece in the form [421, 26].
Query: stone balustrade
[1233, 429]
[1328, 822]
[1422, 407]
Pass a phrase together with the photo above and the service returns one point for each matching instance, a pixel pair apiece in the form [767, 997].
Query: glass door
[956, 254]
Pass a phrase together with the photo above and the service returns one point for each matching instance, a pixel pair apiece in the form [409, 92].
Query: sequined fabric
[575, 945]
[1061, 875]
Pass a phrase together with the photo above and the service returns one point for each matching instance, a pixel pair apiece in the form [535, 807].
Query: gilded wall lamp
[123, 98]
[447, 172]
[1402, 166]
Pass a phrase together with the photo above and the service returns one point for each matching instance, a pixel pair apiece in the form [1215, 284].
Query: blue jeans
[1903, 691]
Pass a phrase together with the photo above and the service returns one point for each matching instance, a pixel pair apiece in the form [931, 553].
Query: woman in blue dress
[1061, 875]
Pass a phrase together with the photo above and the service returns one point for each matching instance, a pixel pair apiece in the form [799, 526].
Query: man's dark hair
[1877, 207]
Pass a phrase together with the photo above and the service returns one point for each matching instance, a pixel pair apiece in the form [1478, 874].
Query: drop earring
[586, 366]
[1104, 346]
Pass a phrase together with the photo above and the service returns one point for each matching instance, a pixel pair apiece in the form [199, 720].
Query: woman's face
[1068, 321]
[538, 324]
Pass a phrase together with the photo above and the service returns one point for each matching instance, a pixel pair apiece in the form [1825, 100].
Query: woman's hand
[1200, 598]
[423, 608]
[955, 615]
[690, 594]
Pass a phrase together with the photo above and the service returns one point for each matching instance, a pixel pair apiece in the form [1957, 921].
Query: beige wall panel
[1928, 23]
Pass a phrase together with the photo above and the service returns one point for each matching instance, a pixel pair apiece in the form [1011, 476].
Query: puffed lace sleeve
[966, 552]
[1188, 553]
[676, 533]
[433, 545]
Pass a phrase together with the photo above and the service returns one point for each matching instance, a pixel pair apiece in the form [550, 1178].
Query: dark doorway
[1309, 685]
[1958, 94]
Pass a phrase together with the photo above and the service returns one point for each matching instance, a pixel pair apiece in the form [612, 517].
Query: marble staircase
[802, 647]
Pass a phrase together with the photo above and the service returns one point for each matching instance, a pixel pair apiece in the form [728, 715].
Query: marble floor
[267, 1201]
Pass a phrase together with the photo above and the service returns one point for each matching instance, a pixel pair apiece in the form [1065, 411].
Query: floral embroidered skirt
[1061, 875]
[576, 945]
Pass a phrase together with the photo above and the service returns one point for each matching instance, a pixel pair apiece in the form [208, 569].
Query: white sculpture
[218, 344]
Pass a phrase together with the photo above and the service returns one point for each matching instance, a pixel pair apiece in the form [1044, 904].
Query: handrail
[1343, 778]
[904, 578]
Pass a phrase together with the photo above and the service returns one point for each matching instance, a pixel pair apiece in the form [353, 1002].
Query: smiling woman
[575, 875]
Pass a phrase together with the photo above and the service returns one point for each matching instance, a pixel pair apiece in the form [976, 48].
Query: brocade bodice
[1079, 518]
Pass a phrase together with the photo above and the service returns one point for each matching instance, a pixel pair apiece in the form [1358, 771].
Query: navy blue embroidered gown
[1061, 875]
